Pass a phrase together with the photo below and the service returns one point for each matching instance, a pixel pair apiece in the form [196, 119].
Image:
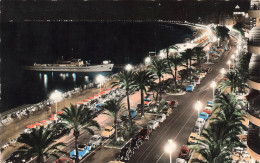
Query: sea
[26, 43]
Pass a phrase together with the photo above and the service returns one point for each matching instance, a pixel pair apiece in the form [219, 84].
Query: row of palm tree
[220, 137]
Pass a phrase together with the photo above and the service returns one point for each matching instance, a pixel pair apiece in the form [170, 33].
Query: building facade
[253, 81]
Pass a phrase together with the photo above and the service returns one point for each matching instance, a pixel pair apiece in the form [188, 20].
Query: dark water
[26, 43]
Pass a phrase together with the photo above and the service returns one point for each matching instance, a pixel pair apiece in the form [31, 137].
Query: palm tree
[75, 118]
[175, 61]
[228, 115]
[213, 148]
[142, 79]
[233, 81]
[40, 142]
[187, 56]
[198, 51]
[113, 107]
[125, 81]
[158, 67]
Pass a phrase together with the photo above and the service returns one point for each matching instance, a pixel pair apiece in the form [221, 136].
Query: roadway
[180, 123]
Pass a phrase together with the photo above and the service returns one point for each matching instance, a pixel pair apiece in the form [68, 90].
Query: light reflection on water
[45, 82]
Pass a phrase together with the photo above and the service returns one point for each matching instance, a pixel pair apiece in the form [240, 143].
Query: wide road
[180, 123]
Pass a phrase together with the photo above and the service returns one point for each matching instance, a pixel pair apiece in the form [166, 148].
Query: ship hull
[92, 68]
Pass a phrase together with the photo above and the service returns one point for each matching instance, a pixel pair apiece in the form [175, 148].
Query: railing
[255, 6]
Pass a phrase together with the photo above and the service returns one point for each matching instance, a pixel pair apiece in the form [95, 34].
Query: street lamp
[128, 67]
[169, 148]
[213, 85]
[147, 60]
[198, 106]
[222, 71]
[228, 62]
[56, 96]
[100, 79]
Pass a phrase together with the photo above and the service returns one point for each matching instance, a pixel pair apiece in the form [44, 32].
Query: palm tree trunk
[169, 65]
[198, 61]
[115, 121]
[142, 102]
[190, 69]
[175, 78]
[160, 89]
[76, 135]
[128, 106]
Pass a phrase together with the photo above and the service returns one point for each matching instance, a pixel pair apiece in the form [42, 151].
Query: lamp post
[169, 148]
[128, 67]
[100, 79]
[222, 71]
[228, 62]
[198, 106]
[56, 96]
[213, 85]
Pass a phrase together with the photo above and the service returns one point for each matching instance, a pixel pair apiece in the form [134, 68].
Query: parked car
[173, 103]
[210, 103]
[185, 152]
[144, 133]
[207, 110]
[203, 115]
[82, 147]
[160, 118]
[207, 69]
[81, 154]
[200, 122]
[196, 79]
[109, 131]
[193, 138]
[167, 111]
[189, 88]
[180, 160]
[125, 153]
[95, 141]
[63, 160]
[152, 124]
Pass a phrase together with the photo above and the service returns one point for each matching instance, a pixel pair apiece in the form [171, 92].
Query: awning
[96, 95]
[42, 121]
[30, 126]
[86, 100]
[52, 118]
[91, 98]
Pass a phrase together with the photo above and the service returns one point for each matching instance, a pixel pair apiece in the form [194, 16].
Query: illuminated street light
[228, 62]
[100, 79]
[147, 60]
[128, 67]
[223, 72]
[213, 85]
[169, 148]
[162, 55]
[56, 96]
[198, 106]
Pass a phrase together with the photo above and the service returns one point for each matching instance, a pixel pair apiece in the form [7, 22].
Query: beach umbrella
[91, 98]
[53, 115]
[52, 118]
[60, 112]
[86, 100]
[36, 124]
[42, 121]
[30, 126]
